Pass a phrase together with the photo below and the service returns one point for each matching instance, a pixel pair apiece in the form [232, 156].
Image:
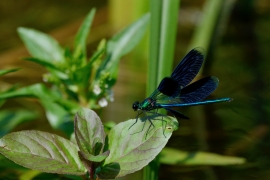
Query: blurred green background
[238, 55]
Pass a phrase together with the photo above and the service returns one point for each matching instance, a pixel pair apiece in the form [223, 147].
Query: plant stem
[163, 24]
[91, 172]
[168, 31]
[204, 32]
[155, 23]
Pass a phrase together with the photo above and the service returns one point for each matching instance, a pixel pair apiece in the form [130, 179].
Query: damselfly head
[135, 105]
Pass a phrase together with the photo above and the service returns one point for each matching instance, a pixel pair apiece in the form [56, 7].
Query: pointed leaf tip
[6, 71]
[41, 45]
[89, 132]
[133, 148]
[81, 36]
[123, 42]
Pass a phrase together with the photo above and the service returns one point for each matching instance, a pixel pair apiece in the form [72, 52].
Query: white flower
[103, 102]
[96, 89]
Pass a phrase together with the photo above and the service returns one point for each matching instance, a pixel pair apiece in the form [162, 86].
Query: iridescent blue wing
[189, 67]
[194, 92]
[169, 87]
[191, 95]
[199, 90]
[183, 74]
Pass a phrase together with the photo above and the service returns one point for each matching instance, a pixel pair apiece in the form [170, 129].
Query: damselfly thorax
[147, 105]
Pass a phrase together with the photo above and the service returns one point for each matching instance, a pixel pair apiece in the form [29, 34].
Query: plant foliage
[122, 152]
[77, 80]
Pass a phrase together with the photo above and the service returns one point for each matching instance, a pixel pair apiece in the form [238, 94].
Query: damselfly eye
[135, 105]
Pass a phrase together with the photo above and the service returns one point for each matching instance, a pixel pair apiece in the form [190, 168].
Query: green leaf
[42, 151]
[6, 163]
[123, 42]
[109, 171]
[82, 75]
[41, 45]
[44, 63]
[81, 36]
[173, 156]
[10, 119]
[6, 71]
[108, 126]
[30, 174]
[97, 158]
[69, 105]
[133, 148]
[89, 132]
[97, 55]
[51, 67]
[58, 74]
[38, 90]
[55, 113]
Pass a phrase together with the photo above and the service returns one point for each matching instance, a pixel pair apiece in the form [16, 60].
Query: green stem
[168, 31]
[164, 15]
[155, 23]
[204, 32]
